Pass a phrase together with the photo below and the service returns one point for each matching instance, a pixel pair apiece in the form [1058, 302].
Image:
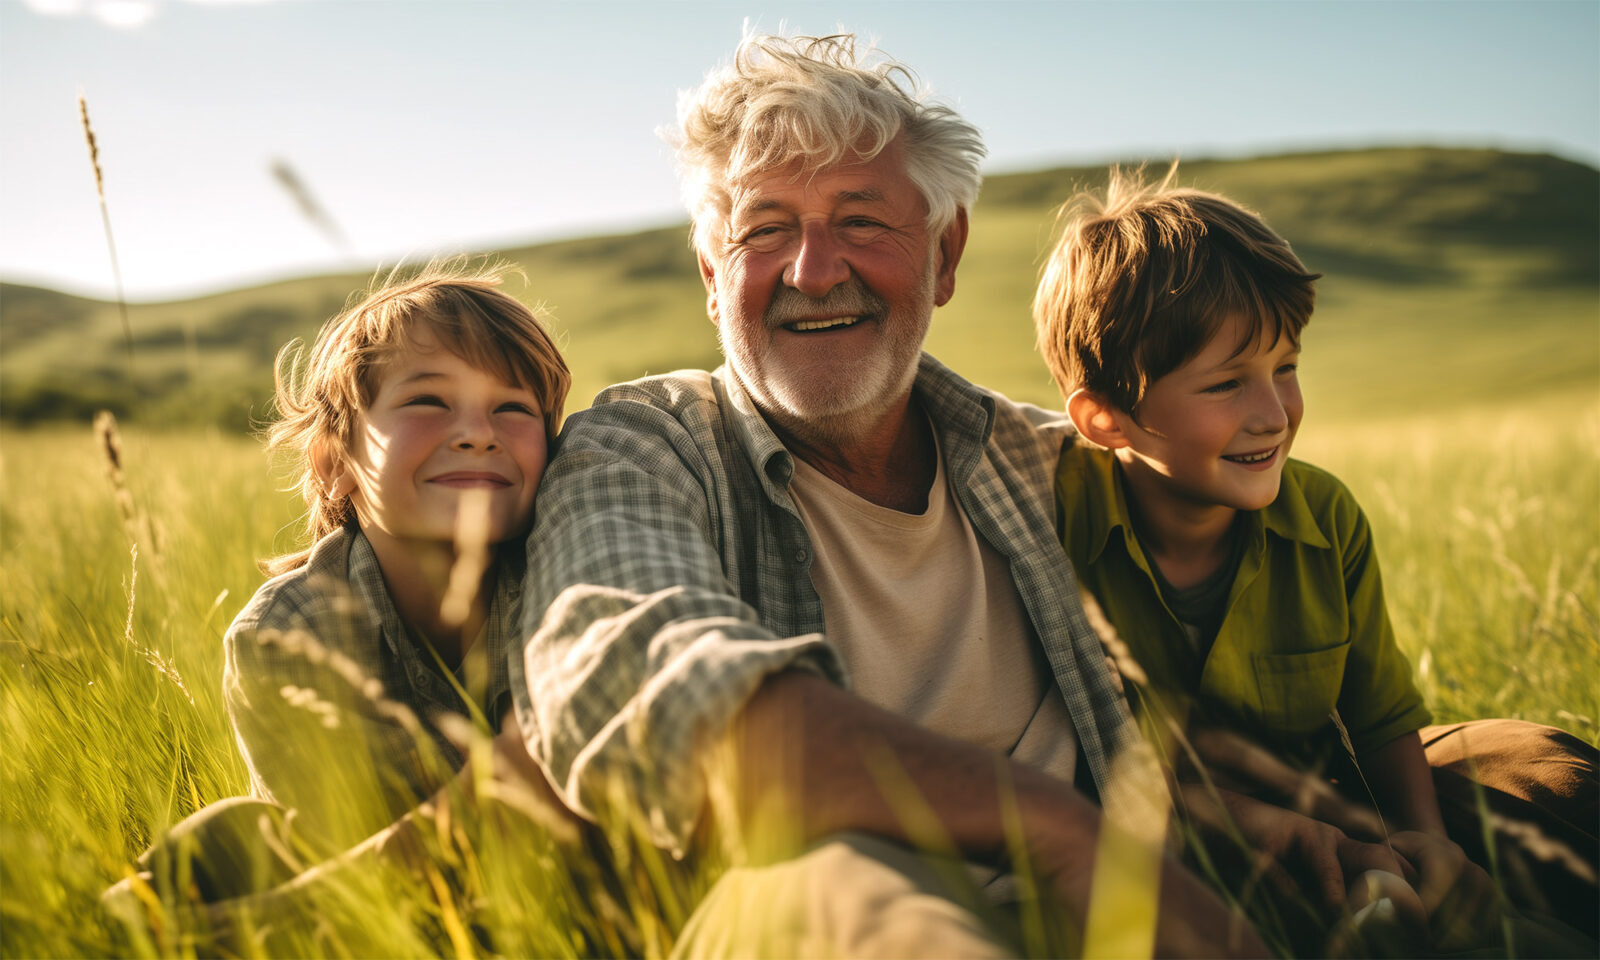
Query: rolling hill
[1451, 277]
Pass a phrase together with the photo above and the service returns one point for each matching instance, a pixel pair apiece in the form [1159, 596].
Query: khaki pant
[850, 895]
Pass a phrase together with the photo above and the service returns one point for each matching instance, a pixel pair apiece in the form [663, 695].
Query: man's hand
[819, 754]
[1307, 856]
[1243, 766]
[1461, 901]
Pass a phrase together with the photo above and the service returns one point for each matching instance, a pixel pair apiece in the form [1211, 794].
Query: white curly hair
[815, 100]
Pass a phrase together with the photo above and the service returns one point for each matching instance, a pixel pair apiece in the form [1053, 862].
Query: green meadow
[1452, 377]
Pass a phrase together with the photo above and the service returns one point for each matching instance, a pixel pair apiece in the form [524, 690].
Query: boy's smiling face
[1217, 430]
[438, 426]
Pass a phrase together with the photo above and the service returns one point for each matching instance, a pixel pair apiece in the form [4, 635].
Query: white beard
[832, 400]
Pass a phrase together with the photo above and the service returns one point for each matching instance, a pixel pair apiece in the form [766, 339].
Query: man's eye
[762, 236]
[759, 230]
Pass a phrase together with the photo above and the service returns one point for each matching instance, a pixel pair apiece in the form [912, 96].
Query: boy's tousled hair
[815, 100]
[322, 391]
[1143, 278]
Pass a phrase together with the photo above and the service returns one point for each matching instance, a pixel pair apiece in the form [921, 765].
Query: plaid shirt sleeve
[310, 715]
[640, 649]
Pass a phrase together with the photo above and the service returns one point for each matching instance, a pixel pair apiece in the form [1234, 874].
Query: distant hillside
[1449, 274]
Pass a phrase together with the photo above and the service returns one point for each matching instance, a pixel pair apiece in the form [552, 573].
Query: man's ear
[334, 475]
[708, 276]
[1097, 419]
[951, 243]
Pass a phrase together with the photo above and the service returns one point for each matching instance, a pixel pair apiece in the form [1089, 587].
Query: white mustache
[852, 298]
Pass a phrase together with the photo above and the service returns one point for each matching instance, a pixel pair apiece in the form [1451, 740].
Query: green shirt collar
[1288, 516]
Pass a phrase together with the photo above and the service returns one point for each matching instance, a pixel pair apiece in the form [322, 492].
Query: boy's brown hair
[321, 392]
[1142, 279]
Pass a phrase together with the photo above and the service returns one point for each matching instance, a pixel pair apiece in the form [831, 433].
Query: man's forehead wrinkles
[867, 195]
[761, 204]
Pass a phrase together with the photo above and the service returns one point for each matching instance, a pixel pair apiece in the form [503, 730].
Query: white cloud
[123, 14]
[119, 14]
[55, 8]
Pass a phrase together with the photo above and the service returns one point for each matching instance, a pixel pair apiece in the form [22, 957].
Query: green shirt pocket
[1299, 690]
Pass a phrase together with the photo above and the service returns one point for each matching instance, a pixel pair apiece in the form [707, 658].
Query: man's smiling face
[824, 287]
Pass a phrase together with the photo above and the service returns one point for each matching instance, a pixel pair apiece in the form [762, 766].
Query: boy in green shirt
[1244, 583]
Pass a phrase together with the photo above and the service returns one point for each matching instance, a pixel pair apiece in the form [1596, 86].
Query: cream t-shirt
[929, 624]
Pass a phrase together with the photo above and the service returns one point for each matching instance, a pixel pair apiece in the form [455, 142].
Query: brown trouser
[1538, 788]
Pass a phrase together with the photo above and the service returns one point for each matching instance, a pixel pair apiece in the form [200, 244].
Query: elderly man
[832, 557]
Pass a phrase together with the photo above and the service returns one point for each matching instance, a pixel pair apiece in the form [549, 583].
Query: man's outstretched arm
[826, 761]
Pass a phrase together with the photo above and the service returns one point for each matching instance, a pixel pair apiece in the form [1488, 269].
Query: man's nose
[474, 431]
[819, 263]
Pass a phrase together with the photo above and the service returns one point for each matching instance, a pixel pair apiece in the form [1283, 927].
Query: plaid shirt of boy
[322, 673]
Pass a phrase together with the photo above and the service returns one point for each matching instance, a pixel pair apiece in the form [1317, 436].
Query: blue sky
[431, 126]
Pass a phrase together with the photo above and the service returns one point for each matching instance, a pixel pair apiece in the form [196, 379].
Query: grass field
[1486, 524]
[1453, 382]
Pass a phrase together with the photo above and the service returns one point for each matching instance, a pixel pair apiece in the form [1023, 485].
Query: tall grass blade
[1350, 751]
[472, 557]
[105, 220]
[1126, 888]
[149, 654]
[310, 208]
[109, 440]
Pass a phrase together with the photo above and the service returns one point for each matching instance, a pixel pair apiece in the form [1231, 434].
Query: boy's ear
[333, 472]
[1097, 419]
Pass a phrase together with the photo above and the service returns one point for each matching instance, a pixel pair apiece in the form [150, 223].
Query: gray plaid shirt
[321, 674]
[668, 576]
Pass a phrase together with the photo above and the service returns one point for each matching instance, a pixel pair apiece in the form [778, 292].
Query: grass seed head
[94, 148]
[105, 222]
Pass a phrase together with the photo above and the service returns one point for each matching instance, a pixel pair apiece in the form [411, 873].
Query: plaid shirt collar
[962, 412]
[411, 651]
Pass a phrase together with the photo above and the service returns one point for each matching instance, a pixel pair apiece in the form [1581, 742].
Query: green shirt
[1305, 630]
